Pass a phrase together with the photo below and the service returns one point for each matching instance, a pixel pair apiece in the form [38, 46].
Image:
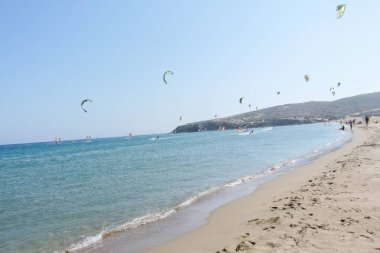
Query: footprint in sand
[347, 221]
[245, 235]
[273, 245]
[264, 221]
[245, 245]
[224, 251]
[370, 239]
[370, 232]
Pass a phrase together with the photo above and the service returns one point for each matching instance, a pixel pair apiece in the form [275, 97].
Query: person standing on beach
[350, 122]
[366, 120]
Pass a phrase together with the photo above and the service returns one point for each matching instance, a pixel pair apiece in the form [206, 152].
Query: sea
[80, 195]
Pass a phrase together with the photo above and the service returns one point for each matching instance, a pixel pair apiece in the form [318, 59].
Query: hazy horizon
[54, 54]
[153, 133]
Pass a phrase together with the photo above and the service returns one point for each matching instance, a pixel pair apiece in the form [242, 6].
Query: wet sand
[329, 205]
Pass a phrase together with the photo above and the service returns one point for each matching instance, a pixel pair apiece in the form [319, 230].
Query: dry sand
[330, 205]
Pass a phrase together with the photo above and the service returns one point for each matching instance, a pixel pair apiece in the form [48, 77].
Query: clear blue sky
[53, 54]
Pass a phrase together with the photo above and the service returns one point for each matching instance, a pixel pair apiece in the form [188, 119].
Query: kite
[241, 100]
[180, 118]
[333, 93]
[338, 85]
[249, 105]
[85, 101]
[340, 9]
[278, 93]
[307, 78]
[332, 88]
[164, 76]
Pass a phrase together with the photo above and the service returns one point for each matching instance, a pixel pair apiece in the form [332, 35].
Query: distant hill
[291, 114]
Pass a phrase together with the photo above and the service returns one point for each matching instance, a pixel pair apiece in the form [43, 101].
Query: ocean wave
[153, 217]
[139, 221]
[149, 218]
[161, 138]
[90, 240]
[264, 130]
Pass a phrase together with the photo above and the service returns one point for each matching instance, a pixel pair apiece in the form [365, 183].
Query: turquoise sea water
[67, 196]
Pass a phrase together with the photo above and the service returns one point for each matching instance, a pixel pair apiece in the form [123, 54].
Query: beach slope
[329, 205]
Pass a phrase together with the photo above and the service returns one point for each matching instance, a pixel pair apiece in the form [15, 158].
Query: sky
[54, 54]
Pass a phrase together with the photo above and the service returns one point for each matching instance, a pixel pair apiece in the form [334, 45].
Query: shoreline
[186, 218]
[283, 213]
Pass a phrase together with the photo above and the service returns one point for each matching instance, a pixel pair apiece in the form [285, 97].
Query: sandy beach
[329, 205]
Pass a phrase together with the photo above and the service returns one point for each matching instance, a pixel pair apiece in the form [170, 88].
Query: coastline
[312, 207]
[193, 212]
